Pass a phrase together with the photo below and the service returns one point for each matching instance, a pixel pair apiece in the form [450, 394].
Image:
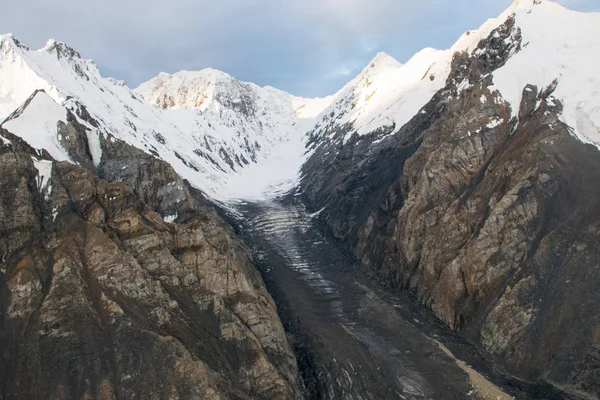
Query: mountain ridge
[218, 143]
[465, 176]
[224, 132]
[482, 206]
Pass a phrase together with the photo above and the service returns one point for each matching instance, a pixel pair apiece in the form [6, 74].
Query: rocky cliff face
[119, 281]
[492, 221]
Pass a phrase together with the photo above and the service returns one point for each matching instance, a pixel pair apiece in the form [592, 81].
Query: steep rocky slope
[105, 296]
[485, 206]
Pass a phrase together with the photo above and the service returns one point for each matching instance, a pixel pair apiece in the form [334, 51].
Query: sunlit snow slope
[558, 44]
[236, 140]
[211, 137]
[241, 112]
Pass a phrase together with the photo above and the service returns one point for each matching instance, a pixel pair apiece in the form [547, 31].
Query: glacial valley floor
[354, 337]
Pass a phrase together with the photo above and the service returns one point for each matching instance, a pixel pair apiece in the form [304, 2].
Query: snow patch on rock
[37, 124]
[44, 168]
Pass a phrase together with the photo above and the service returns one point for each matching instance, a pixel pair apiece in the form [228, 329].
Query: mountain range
[467, 177]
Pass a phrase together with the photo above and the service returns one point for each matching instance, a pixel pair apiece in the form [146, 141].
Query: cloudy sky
[306, 47]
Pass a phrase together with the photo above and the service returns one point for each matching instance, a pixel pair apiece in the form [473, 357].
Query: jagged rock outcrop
[492, 221]
[104, 297]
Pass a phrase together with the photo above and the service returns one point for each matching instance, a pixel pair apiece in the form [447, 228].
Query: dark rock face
[101, 298]
[492, 222]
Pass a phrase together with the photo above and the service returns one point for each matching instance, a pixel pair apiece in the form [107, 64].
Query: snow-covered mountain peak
[374, 99]
[549, 43]
[60, 49]
[213, 89]
[5, 39]
[50, 44]
[194, 89]
[558, 45]
[524, 4]
[56, 68]
[208, 75]
[8, 44]
[383, 61]
[470, 39]
[213, 128]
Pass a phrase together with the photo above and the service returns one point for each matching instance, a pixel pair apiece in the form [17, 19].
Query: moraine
[354, 337]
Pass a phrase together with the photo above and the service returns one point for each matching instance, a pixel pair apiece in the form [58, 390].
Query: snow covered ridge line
[236, 140]
[238, 126]
[197, 89]
[557, 45]
[563, 46]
